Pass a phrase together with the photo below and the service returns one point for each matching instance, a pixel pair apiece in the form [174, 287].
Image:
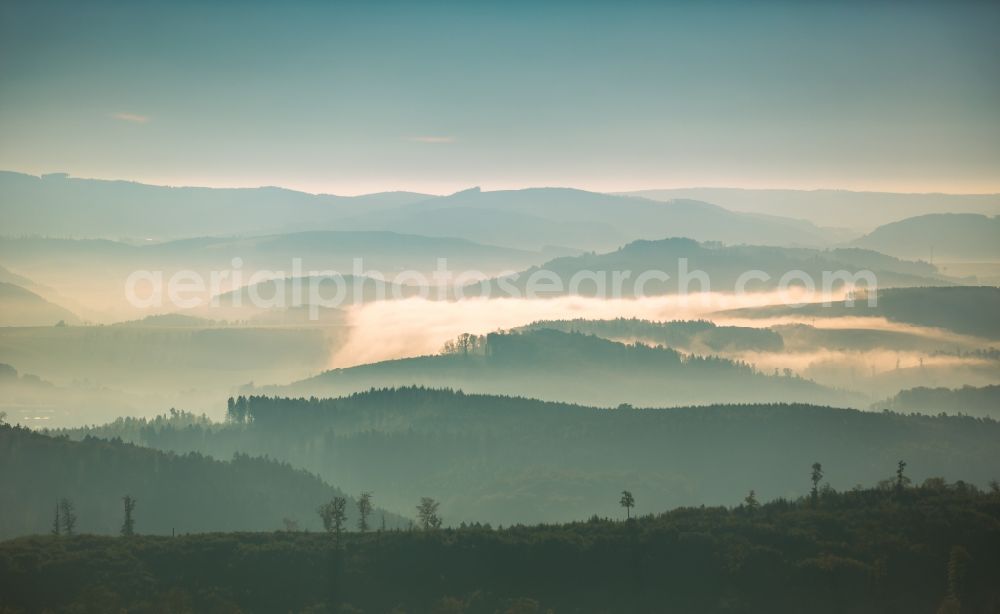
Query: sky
[356, 97]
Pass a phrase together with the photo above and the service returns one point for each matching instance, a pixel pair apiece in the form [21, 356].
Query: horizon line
[615, 192]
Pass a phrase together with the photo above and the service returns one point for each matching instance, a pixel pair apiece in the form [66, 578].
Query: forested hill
[182, 493]
[970, 400]
[508, 459]
[560, 366]
[930, 548]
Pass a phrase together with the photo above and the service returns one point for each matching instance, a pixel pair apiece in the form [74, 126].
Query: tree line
[895, 547]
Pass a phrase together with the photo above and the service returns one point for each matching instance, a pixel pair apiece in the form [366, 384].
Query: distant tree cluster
[237, 410]
[333, 514]
[64, 521]
[466, 345]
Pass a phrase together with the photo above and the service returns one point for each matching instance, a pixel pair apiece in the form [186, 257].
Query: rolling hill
[182, 493]
[20, 307]
[940, 236]
[573, 367]
[969, 400]
[510, 459]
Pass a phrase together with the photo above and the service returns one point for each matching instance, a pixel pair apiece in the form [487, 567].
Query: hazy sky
[362, 96]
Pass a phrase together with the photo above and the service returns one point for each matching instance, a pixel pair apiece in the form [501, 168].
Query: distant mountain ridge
[61, 206]
[535, 217]
[859, 211]
[58, 205]
[723, 265]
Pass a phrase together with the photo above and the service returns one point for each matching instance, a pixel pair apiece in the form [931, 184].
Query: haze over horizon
[489, 188]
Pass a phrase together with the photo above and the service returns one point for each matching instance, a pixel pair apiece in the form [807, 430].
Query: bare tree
[364, 510]
[56, 524]
[901, 480]
[817, 475]
[68, 512]
[628, 502]
[334, 514]
[427, 513]
[128, 526]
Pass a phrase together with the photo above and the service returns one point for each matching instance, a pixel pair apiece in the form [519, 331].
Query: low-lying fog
[412, 327]
[94, 373]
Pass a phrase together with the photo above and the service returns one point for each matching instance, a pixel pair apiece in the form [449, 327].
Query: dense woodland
[897, 548]
[510, 459]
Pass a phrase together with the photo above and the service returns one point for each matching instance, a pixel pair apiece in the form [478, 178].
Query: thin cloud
[132, 118]
[431, 139]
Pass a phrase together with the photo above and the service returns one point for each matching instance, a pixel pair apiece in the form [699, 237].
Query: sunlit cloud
[431, 139]
[132, 118]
